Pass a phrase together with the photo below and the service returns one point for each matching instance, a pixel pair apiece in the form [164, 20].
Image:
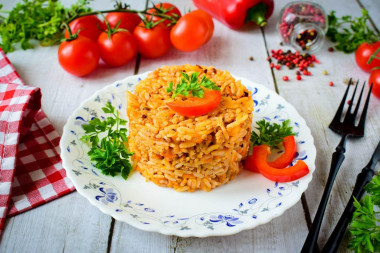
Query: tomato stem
[373, 56]
[71, 35]
[144, 12]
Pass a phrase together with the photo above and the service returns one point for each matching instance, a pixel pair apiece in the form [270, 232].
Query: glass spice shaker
[303, 25]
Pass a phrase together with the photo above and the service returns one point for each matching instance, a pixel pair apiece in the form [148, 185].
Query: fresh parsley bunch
[348, 32]
[190, 85]
[109, 153]
[365, 225]
[36, 19]
[271, 134]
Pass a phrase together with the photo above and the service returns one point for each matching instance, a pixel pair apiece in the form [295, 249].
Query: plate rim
[187, 233]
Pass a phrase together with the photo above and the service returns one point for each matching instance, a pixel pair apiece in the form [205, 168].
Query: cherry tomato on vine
[363, 54]
[208, 19]
[164, 8]
[90, 27]
[374, 78]
[79, 56]
[118, 49]
[190, 33]
[127, 20]
[153, 42]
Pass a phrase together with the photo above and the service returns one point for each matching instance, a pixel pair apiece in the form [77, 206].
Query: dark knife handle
[363, 178]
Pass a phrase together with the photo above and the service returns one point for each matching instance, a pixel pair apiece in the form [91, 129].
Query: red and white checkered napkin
[31, 171]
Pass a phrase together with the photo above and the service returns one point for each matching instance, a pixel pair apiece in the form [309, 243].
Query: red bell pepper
[234, 13]
[259, 158]
[287, 157]
[282, 161]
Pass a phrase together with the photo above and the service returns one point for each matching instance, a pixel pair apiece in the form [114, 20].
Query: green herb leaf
[190, 85]
[40, 20]
[348, 33]
[108, 153]
[365, 224]
[271, 134]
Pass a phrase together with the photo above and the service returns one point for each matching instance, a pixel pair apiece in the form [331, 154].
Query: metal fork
[345, 128]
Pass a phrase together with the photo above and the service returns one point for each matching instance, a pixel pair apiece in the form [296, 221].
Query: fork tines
[348, 125]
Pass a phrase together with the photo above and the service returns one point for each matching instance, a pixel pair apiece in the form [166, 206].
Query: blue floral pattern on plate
[244, 203]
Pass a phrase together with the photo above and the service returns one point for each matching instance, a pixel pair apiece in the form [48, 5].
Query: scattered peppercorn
[285, 78]
[298, 73]
[331, 49]
[305, 38]
[272, 65]
[349, 102]
[251, 58]
[331, 83]
[325, 72]
[299, 78]
[281, 43]
[305, 72]
[278, 66]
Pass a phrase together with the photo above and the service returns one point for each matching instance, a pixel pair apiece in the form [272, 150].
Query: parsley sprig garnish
[108, 153]
[365, 225]
[271, 134]
[348, 32]
[190, 85]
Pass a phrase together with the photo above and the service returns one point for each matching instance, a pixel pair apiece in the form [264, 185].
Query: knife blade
[363, 178]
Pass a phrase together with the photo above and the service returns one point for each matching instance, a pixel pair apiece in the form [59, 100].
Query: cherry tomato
[90, 27]
[208, 19]
[127, 20]
[363, 53]
[79, 56]
[259, 158]
[164, 8]
[374, 78]
[190, 33]
[117, 50]
[195, 106]
[154, 42]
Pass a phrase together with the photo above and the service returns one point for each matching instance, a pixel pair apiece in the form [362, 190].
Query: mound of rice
[188, 153]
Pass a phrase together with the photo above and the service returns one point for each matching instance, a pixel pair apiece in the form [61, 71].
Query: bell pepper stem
[256, 14]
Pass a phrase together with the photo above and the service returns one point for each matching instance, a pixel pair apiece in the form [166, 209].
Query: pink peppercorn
[299, 78]
[331, 83]
[278, 67]
[285, 78]
[272, 65]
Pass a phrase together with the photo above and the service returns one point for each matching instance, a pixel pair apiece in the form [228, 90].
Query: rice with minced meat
[188, 153]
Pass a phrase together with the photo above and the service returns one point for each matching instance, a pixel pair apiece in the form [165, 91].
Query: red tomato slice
[260, 156]
[197, 106]
[287, 157]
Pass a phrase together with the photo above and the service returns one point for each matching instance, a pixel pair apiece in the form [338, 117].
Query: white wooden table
[72, 224]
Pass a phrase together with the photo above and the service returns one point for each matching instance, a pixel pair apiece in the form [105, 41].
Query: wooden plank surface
[317, 102]
[71, 224]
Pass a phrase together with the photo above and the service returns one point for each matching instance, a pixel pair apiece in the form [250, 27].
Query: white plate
[244, 203]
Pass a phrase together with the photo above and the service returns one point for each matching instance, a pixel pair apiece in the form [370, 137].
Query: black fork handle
[336, 161]
[363, 178]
